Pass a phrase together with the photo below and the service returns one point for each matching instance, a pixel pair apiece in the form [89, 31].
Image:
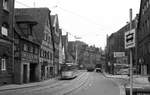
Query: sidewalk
[116, 76]
[20, 86]
[41, 83]
[137, 79]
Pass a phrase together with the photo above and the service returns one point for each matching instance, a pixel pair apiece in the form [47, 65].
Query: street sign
[130, 39]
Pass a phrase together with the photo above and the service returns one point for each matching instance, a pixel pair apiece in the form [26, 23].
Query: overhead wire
[83, 18]
[22, 4]
[76, 14]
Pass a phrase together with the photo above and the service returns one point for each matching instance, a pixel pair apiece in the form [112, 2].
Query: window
[36, 50]
[41, 53]
[26, 29]
[5, 4]
[4, 31]
[147, 3]
[48, 55]
[31, 49]
[147, 24]
[3, 64]
[148, 47]
[25, 48]
[45, 36]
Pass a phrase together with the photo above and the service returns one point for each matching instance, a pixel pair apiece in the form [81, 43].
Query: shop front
[30, 68]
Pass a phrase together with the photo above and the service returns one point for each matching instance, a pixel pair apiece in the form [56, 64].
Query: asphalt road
[88, 83]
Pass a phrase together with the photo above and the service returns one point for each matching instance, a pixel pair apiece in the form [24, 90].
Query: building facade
[65, 46]
[143, 35]
[26, 50]
[116, 46]
[56, 34]
[43, 33]
[6, 41]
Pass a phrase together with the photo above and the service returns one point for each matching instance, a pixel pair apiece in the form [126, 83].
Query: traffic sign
[130, 39]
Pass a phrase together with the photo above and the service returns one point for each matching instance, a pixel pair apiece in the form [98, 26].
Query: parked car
[98, 70]
[90, 69]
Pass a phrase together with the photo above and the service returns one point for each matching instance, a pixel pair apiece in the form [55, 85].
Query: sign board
[119, 54]
[130, 39]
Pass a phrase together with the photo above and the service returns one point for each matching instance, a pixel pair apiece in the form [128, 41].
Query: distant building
[6, 41]
[61, 52]
[76, 49]
[65, 47]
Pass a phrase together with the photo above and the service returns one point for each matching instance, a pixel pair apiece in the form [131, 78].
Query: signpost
[129, 44]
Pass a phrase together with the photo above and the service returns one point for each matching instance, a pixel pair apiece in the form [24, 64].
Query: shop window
[3, 64]
[4, 30]
[5, 4]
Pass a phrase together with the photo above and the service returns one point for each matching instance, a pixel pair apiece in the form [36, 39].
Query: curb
[18, 88]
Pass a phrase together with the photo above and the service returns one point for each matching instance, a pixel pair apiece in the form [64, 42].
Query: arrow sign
[130, 39]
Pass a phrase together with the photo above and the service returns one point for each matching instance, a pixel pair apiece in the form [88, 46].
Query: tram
[68, 71]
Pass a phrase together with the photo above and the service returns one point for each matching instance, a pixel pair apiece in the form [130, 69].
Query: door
[25, 73]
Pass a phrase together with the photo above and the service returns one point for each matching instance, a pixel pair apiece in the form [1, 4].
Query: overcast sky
[91, 20]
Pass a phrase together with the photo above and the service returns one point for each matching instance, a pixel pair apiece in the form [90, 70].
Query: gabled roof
[52, 19]
[40, 15]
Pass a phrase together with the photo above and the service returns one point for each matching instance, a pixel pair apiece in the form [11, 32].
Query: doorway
[25, 78]
[32, 72]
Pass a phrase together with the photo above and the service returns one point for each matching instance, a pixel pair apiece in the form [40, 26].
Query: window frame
[25, 47]
[3, 64]
[3, 30]
[5, 5]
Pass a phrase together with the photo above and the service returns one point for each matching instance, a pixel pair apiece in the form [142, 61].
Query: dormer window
[4, 30]
[26, 29]
[5, 4]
